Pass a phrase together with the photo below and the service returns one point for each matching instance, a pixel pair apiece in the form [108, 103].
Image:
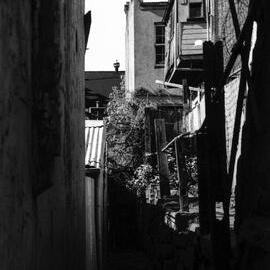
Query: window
[160, 54]
[160, 44]
[196, 9]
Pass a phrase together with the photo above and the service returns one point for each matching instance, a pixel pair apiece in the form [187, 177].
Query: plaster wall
[140, 48]
[183, 10]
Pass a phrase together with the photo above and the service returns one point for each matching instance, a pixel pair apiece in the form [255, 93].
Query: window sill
[159, 66]
[199, 19]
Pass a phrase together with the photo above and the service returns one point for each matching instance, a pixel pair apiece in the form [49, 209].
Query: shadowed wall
[42, 135]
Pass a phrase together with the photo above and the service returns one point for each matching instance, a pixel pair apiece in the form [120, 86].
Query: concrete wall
[42, 135]
[140, 47]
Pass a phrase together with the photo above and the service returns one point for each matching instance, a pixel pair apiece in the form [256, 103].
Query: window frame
[161, 45]
[202, 15]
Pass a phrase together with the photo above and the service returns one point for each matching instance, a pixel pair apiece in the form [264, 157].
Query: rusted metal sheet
[94, 143]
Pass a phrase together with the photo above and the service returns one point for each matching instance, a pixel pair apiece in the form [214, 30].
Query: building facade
[144, 44]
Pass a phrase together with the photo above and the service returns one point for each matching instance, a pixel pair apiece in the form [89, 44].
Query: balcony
[184, 49]
[192, 36]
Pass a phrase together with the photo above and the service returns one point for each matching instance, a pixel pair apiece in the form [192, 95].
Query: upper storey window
[160, 44]
[196, 9]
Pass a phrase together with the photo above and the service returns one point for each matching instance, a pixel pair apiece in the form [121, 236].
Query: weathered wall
[231, 94]
[145, 57]
[253, 199]
[42, 138]
[140, 48]
[252, 189]
[16, 203]
[224, 25]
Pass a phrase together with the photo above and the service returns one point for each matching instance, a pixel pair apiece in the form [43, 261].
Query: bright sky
[106, 41]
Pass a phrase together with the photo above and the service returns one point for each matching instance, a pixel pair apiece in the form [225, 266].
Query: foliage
[125, 140]
[125, 131]
[174, 183]
[192, 172]
[144, 175]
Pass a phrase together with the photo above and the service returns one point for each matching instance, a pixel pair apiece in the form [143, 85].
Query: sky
[106, 42]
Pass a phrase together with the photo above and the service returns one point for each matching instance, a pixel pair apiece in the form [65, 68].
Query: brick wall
[225, 28]
[231, 93]
[226, 33]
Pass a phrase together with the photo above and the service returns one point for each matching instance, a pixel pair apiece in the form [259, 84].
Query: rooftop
[101, 82]
[94, 144]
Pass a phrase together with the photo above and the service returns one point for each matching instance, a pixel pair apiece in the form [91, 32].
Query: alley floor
[128, 260]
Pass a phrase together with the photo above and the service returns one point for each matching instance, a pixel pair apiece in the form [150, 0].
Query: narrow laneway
[132, 260]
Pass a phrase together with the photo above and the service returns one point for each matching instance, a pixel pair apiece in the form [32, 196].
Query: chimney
[116, 65]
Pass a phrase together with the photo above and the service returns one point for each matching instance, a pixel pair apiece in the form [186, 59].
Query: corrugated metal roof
[94, 143]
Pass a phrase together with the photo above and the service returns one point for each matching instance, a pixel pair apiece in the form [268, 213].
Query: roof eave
[153, 5]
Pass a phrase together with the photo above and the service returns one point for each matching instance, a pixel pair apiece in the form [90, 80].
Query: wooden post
[182, 177]
[180, 30]
[203, 187]
[186, 92]
[147, 124]
[90, 217]
[216, 155]
[162, 157]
